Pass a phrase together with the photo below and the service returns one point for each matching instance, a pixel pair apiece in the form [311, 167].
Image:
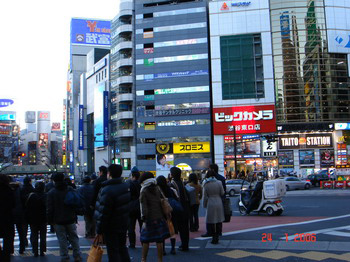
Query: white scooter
[270, 203]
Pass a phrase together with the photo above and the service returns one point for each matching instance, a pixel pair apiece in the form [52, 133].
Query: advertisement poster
[5, 129]
[306, 157]
[305, 141]
[164, 157]
[327, 157]
[43, 140]
[286, 159]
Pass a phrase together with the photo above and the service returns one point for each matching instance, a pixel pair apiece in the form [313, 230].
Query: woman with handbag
[213, 191]
[155, 228]
[170, 195]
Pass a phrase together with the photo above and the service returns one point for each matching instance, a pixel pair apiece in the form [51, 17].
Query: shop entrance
[247, 166]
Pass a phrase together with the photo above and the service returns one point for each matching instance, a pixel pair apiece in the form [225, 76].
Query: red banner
[339, 184]
[245, 119]
[326, 184]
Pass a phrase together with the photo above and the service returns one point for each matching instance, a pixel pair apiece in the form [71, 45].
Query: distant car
[233, 186]
[296, 183]
[315, 179]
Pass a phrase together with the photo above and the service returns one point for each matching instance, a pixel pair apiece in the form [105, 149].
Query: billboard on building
[30, 117]
[56, 126]
[7, 116]
[6, 102]
[43, 140]
[5, 129]
[90, 32]
[244, 119]
[100, 117]
[81, 127]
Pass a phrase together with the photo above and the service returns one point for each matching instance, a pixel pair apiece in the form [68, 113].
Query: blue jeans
[67, 233]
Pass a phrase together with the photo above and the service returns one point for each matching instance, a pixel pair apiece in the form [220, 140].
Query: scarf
[147, 183]
[209, 179]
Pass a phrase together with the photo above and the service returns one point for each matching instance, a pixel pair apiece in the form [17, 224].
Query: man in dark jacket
[112, 214]
[64, 218]
[98, 182]
[87, 192]
[7, 231]
[36, 217]
[19, 216]
[26, 189]
[215, 168]
[183, 222]
[135, 212]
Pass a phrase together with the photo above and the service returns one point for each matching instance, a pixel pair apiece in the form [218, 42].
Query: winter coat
[7, 203]
[184, 199]
[213, 192]
[199, 192]
[36, 208]
[25, 191]
[222, 179]
[18, 211]
[151, 208]
[87, 192]
[49, 186]
[135, 189]
[97, 186]
[57, 212]
[112, 207]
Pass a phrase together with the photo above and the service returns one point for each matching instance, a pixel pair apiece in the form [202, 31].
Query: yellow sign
[188, 148]
[64, 160]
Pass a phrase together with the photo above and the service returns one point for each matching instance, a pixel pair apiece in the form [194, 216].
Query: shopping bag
[171, 228]
[96, 251]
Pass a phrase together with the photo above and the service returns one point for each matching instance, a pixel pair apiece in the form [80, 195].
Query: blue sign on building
[90, 32]
[6, 102]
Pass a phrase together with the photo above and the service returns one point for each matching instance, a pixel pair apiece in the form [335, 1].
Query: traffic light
[21, 154]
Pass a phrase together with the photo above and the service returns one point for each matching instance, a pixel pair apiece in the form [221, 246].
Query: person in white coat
[213, 192]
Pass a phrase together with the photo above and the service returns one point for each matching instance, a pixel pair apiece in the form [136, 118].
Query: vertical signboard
[81, 127]
[105, 118]
[99, 115]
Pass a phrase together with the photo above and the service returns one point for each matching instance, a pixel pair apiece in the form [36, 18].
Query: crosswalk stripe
[337, 233]
[322, 231]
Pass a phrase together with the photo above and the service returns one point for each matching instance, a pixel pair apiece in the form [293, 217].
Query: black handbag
[227, 210]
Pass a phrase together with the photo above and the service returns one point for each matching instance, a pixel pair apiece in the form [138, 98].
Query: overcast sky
[35, 51]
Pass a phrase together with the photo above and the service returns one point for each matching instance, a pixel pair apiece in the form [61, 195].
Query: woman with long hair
[213, 192]
[155, 228]
[169, 193]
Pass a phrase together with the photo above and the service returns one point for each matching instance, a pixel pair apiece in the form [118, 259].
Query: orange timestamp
[302, 237]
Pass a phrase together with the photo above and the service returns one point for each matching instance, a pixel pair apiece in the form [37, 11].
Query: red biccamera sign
[245, 119]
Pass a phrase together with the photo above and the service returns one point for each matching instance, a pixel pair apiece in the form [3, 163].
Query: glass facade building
[311, 83]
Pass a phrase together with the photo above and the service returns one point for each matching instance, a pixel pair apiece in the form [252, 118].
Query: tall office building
[122, 90]
[172, 85]
[86, 34]
[299, 49]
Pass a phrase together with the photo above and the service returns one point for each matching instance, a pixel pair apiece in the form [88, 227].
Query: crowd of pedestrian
[113, 209]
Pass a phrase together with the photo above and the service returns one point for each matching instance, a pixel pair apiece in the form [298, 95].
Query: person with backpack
[135, 212]
[87, 192]
[36, 217]
[112, 214]
[63, 216]
[195, 197]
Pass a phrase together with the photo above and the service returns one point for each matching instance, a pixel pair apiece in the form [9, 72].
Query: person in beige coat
[213, 192]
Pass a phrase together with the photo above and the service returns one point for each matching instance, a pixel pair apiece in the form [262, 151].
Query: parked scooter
[271, 199]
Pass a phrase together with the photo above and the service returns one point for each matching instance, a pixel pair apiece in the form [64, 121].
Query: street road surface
[259, 237]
